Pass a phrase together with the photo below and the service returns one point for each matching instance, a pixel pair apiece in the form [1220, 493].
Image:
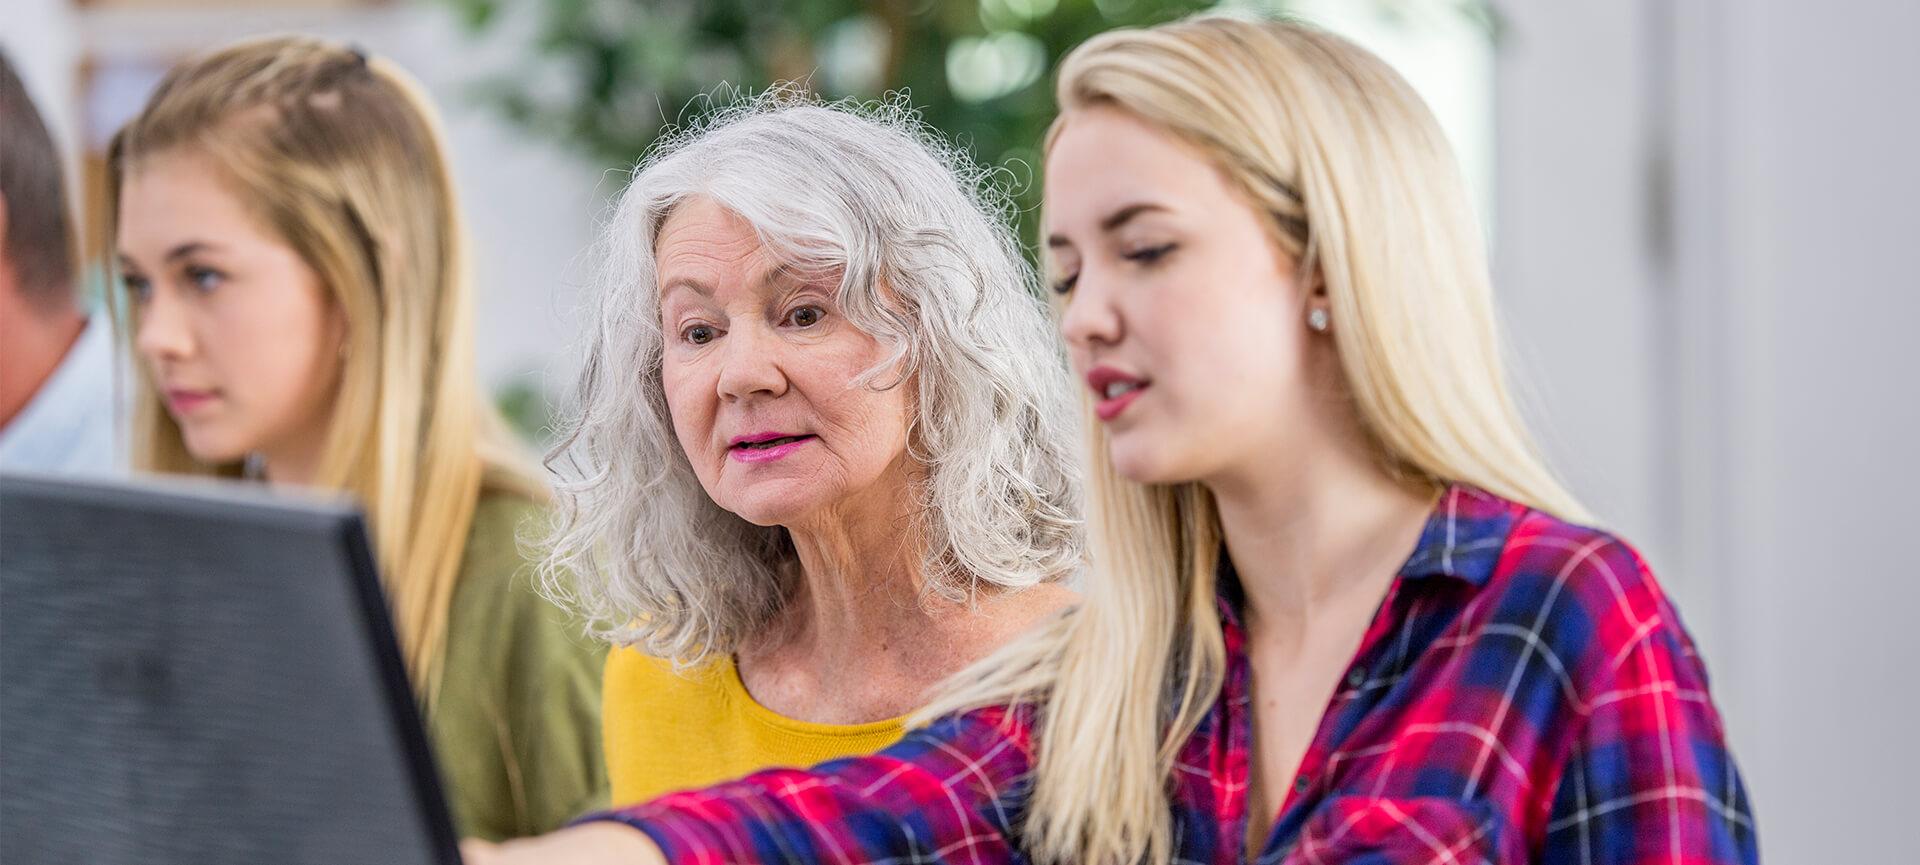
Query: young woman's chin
[1149, 459]
[213, 449]
[216, 441]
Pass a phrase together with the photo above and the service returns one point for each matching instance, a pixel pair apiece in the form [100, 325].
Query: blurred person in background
[293, 258]
[1339, 610]
[824, 451]
[57, 408]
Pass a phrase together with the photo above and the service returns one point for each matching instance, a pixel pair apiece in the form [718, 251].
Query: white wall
[1803, 129]
[1706, 224]
[1569, 249]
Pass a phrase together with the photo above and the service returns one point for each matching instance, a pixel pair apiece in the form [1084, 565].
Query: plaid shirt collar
[1463, 539]
[1464, 536]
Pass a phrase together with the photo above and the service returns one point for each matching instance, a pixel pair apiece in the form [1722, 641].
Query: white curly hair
[866, 191]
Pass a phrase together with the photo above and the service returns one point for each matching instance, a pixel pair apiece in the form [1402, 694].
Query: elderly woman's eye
[1065, 285]
[806, 316]
[699, 334]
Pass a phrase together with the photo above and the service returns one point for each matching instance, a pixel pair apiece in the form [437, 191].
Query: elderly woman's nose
[750, 364]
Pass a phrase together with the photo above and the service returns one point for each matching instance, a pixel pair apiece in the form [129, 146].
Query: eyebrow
[693, 285]
[775, 274]
[177, 253]
[1112, 222]
[189, 248]
[781, 272]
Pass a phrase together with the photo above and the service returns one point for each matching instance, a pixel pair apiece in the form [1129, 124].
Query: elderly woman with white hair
[823, 457]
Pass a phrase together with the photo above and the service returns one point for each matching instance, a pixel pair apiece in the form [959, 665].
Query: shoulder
[986, 753]
[1010, 614]
[498, 555]
[1578, 571]
[73, 424]
[506, 515]
[984, 729]
[1584, 595]
[637, 677]
[667, 728]
[648, 700]
[498, 598]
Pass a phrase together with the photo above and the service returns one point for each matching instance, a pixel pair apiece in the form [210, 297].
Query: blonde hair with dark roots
[1359, 185]
[340, 155]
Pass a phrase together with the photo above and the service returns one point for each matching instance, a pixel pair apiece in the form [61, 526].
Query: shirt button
[1301, 782]
[1356, 677]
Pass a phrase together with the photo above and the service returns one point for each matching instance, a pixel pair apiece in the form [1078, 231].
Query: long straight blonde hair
[341, 156]
[1359, 186]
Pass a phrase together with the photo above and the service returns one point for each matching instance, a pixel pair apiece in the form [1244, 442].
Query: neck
[33, 342]
[285, 470]
[1323, 532]
[859, 640]
[861, 581]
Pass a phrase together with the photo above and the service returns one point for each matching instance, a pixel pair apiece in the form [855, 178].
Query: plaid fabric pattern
[1526, 693]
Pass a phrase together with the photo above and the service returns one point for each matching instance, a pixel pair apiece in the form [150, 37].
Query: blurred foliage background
[607, 76]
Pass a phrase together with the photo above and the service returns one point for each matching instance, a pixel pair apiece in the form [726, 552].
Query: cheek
[1227, 367]
[281, 357]
[690, 407]
[867, 431]
[872, 422]
[892, 417]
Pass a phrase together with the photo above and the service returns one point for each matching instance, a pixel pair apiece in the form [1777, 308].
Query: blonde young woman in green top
[293, 264]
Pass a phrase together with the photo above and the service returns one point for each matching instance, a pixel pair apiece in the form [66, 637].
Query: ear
[1316, 283]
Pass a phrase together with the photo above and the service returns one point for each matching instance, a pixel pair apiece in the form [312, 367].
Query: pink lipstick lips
[1114, 390]
[766, 447]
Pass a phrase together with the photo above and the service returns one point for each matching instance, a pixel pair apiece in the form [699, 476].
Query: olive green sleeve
[516, 725]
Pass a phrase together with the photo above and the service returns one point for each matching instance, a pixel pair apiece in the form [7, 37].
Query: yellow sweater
[667, 731]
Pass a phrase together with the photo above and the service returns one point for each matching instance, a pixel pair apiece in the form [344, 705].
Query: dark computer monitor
[203, 673]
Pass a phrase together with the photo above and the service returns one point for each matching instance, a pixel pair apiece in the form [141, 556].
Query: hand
[589, 844]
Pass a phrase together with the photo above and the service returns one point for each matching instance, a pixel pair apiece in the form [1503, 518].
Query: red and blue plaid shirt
[1526, 693]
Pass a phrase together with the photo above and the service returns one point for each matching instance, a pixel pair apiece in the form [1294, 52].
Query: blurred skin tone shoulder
[40, 318]
[33, 341]
[239, 335]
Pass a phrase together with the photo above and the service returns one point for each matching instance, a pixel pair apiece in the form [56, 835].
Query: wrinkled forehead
[704, 245]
